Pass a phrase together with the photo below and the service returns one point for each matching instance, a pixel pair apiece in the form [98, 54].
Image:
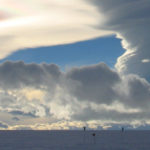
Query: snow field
[74, 140]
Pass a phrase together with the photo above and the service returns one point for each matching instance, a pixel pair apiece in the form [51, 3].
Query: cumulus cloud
[42, 23]
[94, 83]
[19, 74]
[87, 93]
[136, 91]
[130, 20]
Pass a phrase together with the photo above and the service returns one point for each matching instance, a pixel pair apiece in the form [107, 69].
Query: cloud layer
[42, 96]
[36, 92]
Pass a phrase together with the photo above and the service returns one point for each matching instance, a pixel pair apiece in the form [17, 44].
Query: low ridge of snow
[74, 140]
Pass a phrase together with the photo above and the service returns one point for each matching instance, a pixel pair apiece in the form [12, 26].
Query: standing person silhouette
[94, 138]
[84, 129]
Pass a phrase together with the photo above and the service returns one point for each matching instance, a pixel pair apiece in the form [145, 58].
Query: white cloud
[145, 60]
[41, 23]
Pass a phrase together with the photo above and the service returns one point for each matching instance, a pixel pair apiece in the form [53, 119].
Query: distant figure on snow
[122, 129]
[84, 128]
[93, 134]
[94, 138]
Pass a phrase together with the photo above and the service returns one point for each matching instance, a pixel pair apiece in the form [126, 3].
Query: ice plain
[74, 140]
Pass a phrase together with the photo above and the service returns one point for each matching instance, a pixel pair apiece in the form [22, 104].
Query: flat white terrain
[74, 140]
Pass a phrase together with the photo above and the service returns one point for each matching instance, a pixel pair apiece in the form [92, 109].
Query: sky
[74, 54]
[65, 64]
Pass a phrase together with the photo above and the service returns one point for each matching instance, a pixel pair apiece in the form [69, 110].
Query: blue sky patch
[106, 49]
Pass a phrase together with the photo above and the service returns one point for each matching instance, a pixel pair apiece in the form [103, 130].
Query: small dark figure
[93, 134]
[94, 140]
[84, 129]
[122, 129]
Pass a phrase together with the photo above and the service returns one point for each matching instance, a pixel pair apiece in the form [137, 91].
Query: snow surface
[74, 140]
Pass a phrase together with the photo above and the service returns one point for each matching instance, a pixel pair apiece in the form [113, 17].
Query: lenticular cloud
[42, 23]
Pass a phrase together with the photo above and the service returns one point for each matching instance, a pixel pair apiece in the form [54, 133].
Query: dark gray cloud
[130, 19]
[94, 83]
[3, 125]
[18, 74]
[102, 85]
[136, 92]
[88, 113]
[71, 91]
[21, 113]
[15, 119]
